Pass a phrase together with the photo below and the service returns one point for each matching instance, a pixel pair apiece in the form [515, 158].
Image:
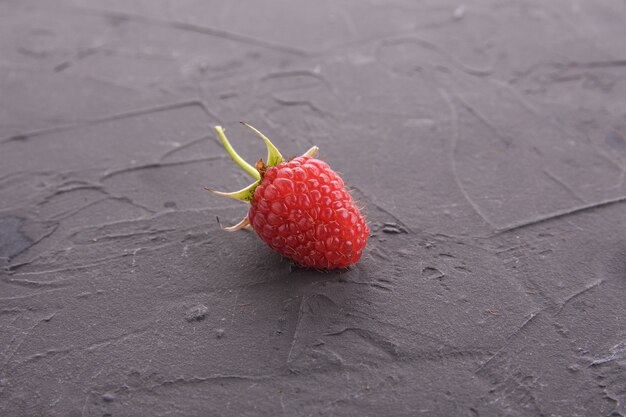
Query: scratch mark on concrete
[578, 294]
[508, 339]
[561, 214]
[89, 122]
[195, 28]
[455, 126]
[563, 185]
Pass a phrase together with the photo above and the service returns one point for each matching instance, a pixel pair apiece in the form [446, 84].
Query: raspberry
[301, 209]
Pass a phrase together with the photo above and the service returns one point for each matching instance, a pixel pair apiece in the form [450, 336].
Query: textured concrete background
[487, 140]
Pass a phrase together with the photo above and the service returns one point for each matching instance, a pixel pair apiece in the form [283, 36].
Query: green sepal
[245, 194]
[273, 155]
[233, 154]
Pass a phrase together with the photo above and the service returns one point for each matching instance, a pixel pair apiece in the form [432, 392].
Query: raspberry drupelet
[301, 209]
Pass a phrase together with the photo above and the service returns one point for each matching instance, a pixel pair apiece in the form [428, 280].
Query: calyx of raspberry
[274, 157]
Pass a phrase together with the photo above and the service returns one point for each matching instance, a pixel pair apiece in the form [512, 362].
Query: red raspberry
[301, 209]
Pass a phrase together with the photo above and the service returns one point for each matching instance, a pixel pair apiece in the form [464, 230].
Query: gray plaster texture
[487, 140]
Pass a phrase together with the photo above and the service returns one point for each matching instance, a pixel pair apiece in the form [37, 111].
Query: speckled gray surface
[487, 140]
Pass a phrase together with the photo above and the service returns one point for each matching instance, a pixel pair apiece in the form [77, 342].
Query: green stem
[233, 154]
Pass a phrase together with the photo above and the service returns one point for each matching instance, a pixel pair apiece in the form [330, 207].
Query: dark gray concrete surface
[487, 140]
